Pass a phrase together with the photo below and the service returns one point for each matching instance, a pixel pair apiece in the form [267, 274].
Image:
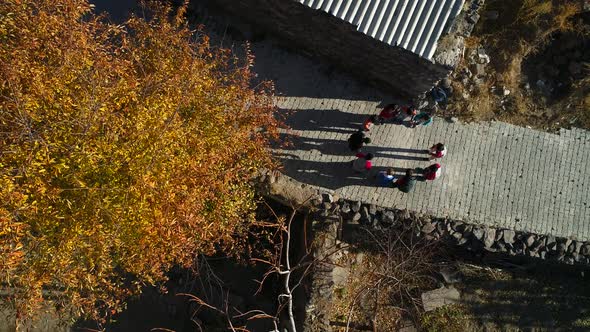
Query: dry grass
[525, 27]
[386, 284]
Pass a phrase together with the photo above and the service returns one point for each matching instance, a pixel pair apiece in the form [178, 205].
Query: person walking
[432, 172]
[363, 163]
[438, 150]
[385, 178]
[406, 183]
[356, 141]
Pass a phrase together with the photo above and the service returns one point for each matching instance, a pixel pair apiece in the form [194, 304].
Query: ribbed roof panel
[415, 25]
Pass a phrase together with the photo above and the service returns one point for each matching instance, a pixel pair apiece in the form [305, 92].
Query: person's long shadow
[340, 148]
[332, 175]
[323, 120]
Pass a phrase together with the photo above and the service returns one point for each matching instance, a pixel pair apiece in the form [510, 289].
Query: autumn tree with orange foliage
[124, 150]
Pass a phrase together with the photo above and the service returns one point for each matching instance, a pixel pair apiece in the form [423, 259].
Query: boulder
[508, 236]
[372, 209]
[388, 217]
[428, 228]
[355, 218]
[365, 212]
[356, 206]
[529, 240]
[345, 207]
[561, 247]
[440, 297]
[551, 242]
[326, 197]
[478, 233]
[340, 275]
[450, 274]
[489, 237]
[578, 247]
[572, 247]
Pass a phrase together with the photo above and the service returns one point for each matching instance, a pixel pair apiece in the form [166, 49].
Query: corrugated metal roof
[415, 25]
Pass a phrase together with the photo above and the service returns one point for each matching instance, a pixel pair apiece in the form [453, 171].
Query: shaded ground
[538, 296]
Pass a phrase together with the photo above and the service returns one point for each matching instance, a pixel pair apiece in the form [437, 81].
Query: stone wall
[473, 237]
[315, 32]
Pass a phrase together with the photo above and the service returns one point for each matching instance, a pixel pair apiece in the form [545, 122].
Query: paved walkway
[494, 174]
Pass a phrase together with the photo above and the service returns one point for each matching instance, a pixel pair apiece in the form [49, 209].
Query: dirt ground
[500, 294]
[539, 54]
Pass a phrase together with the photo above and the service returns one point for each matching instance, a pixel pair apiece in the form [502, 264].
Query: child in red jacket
[432, 172]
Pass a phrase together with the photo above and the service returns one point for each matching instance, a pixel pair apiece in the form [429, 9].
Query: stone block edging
[474, 237]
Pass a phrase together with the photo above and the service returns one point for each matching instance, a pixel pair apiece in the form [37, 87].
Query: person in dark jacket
[406, 183]
[356, 141]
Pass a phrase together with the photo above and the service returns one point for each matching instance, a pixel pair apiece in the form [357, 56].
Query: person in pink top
[432, 172]
[363, 162]
[438, 150]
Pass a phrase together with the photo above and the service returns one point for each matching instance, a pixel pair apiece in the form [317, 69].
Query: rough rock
[365, 212]
[561, 247]
[428, 228]
[478, 233]
[458, 226]
[451, 48]
[388, 217]
[450, 274]
[345, 207]
[509, 236]
[530, 240]
[372, 209]
[340, 275]
[578, 247]
[326, 197]
[489, 237]
[440, 297]
[550, 241]
[356, 206]
[355, 219]
[483, 57]
[572, 247]
[480, 69]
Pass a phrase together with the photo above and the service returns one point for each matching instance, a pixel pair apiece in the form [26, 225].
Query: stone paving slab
[494, 173]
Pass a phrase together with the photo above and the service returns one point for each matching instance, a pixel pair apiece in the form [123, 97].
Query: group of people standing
[398, 115]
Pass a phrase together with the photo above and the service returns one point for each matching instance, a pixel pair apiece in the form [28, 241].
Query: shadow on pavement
[340, 148]
[324, 120]
[332, 175]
